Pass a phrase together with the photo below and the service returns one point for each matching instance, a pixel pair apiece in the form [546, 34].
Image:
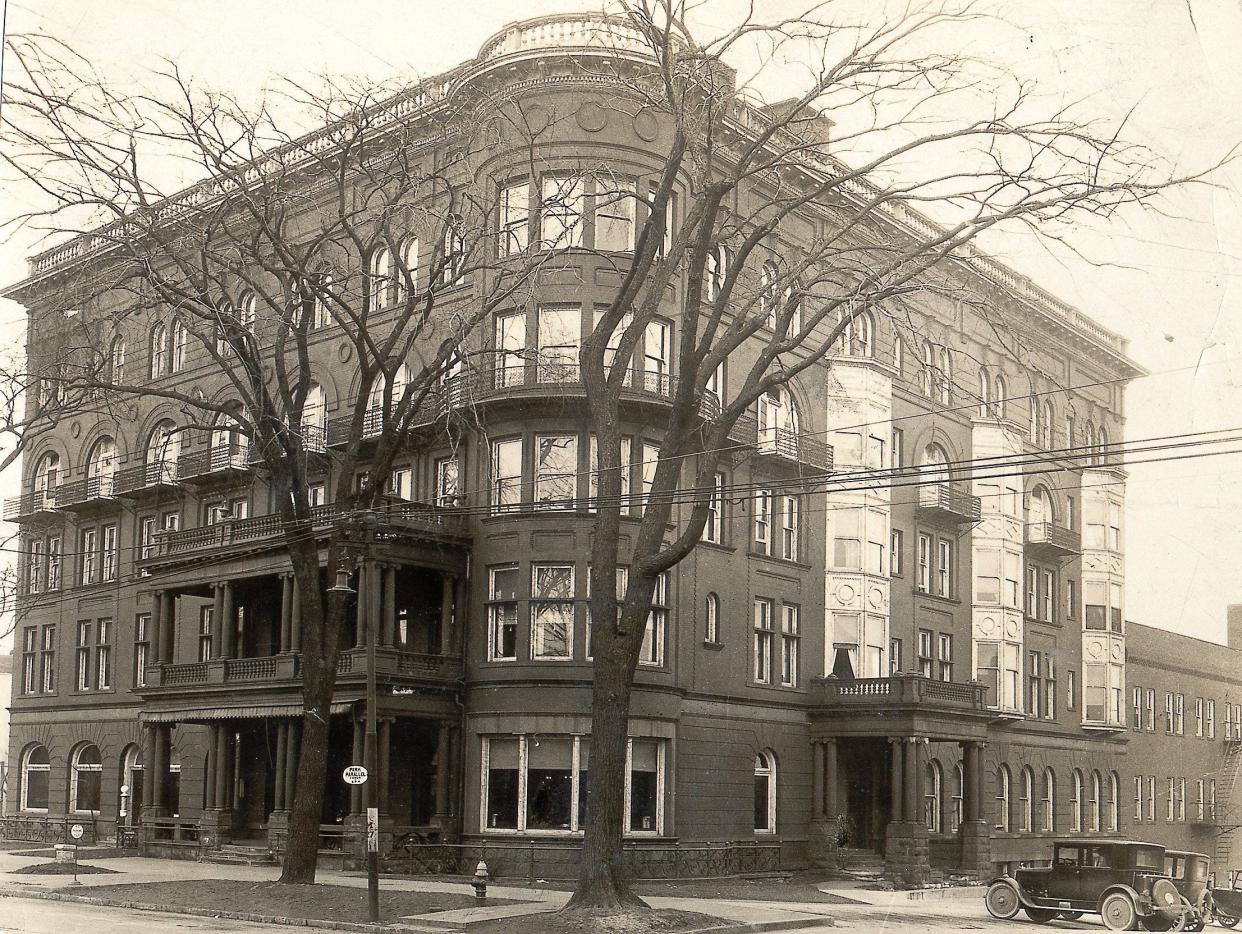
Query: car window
[1172, 867]
[1066, 856]
[1098, 857]
[1148, 858]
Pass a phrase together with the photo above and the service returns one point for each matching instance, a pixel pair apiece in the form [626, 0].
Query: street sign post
[372, 830]
[355, 775]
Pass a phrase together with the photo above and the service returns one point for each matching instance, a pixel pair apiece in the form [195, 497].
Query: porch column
[159, 765]
[222, 768]
[385, 762]
[970, 763]
[282, 753]
[974, 832]
[831, 808]
[980, 780]
[209, 777]
[448, 637]
[293, 738]
[442, 774]
[234, 771]
[817, 781]
[388, 627]
[375, 602]
[286, 611]
[295, 618]
[897, 749]
[911, 803]
[461, 596]
[217, 620]
[148, 768]
[228, 623]
[168, 627]
[355, 791]
[360, 616]
[157, 628]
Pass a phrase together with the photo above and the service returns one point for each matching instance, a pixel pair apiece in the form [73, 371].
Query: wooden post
[209, 777]
[228, 624]
[355, 791]
[295, 619]
[385, 763]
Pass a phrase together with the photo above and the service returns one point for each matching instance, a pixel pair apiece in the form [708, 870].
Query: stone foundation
[976, 848]
[822, 845]
[906, 854]
[215, 827]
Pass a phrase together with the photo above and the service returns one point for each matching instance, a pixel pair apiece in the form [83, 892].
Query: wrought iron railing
[1053, 537]
[88, 490]
[47, 829]
[146, 476]
[30, 504]
[220, 457]
[950, 498]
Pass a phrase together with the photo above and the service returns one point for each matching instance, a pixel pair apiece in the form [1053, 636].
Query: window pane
[644, 784]
[502, 783]
[549, 794]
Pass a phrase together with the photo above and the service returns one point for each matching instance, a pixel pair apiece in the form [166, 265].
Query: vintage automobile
[1190, 873]
[1122, 881]
[1224, 905]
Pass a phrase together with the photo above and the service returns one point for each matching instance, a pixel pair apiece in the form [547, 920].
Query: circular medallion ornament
[591, 117]
[75, 429]
[987, 625]
[344, 351]
[1095, 649]
[1011, 629]
[646, 126]
[845, 593]
[1117, 652]
[875, 597]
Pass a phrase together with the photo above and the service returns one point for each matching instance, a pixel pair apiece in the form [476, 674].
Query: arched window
[935, 462]
[116, 360]
[180, 345]
[225, 314]
[791, 305]
[101, 467]
[85, 774]
[1002, 799]
[768, 294]
[1088, 443]
[765, 792]
[711, 616]
[129, 804]
[1114, 802]
[163, 451]
[927, 378]
[47, 473]
[374, 420]
[1048, 428]
[159, 350]
[715, 270]
[932, 791]
[314, 419]
[778, 421]
[986, 409]
[1102, 446]
[1096, 790]
[1028, 799]
[248, 313]
[899, 356]
[959, 785]
[381, 278]
[230, 446]
[1039, 506]
[1037, 420]
[1076, 804]
[409, 259]
[1000, 393]
[857, 339]
[945, 392]
[1050, 801]
[34, 776]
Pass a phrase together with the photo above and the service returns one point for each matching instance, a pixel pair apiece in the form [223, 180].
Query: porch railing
[901, 690]
[286, 667]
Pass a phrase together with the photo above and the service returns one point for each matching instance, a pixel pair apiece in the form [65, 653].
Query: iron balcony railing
[31, 504]
[152, 475]
[86, 492]
[951, 499]
[217, 459]
[1052, 538]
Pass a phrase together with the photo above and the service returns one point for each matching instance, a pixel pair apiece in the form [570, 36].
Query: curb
[211, 913]
[947, 893]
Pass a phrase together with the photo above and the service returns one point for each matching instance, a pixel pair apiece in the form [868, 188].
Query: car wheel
[1070, 915]
[1227, 920]
[1159, 923]
[1118, 912]
[1041, 915]
[1002, 900]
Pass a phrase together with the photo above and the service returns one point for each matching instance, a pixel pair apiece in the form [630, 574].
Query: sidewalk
[752, 915]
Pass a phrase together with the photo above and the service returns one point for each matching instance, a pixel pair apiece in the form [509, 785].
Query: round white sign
[355, 775]
[76, 831]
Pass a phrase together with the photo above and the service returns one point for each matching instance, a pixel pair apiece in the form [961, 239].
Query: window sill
[717, 546]
[785, 562]
[713, 646]
[925, 595]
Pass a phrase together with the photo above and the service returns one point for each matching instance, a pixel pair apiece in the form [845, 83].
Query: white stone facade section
[1103, 595]
[858, 521]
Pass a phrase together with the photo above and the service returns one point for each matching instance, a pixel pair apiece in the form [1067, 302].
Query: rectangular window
[559, 337]
[514, 233]
[923, 580]
[53, 563]
[896, 543]
[1071, 599]
[556, 471]
[1136, 710]
[1151, 797]
[713, 527]
[502, 613]
[623, 583]
[1095, 597]
[47, 659]
[551, 611]
[1168, 713]
[142, 648]
[447, 479]
[1115, 619]
[500, 793]
[1034, 684]
[1170, 802]
[1138, 799]
[651, 460]
[1211, 719]
[1095, 693]
[1048, 596]
[1050, 694]
[30, 682]
[1199, 717]
[898, 446]
[791, 633]
[1031, 606]
[316, 494]
[561, 212]
[926, 658]
[763, 521]
[1013, 580]
[510, 349]
[645, 788]
[206, 616]
[847, 539]
[103, 655]
[506, 475]
[614, 215]
[82, 656]
[1150, 713]
[789, 528]
[146, 536]
[763, 640]
[625, 467]
[987, 670]
[894, 656]
[1071, 689]
[34, 568]
[656, 357]
[1179, 714]
[652, 650]
[987, 576]
[944, 656]
[88, 560]
[400, 483]
[944, 568]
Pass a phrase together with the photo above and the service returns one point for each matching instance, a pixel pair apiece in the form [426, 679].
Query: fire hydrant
[479, 881]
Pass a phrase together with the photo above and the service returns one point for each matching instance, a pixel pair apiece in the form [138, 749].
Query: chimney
[1234, 633]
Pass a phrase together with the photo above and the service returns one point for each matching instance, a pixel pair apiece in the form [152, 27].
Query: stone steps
[235, 855]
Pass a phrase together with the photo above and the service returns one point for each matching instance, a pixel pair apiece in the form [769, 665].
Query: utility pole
[370, 739]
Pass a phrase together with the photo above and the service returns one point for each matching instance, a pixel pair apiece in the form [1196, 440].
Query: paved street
[28, 916]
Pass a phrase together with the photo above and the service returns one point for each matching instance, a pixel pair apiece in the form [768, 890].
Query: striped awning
[251, 712]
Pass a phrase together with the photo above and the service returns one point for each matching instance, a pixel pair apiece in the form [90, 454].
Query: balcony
[37, 503]
[87, 493]
[1055, 541]
[152, 477]
[286, 671]
[223, 460]
[400, 517]
[902, 703]
[949, 500]
[782, 444]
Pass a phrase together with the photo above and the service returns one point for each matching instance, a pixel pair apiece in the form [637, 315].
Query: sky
[1169, 282]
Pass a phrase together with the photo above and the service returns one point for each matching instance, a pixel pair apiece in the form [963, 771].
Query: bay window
[614, 215]
[552, 611]
[510, 349]
[560, 333]
[556, 471]
[514, 229]
[561, 211]
[502, 611]
[654, 635]
[506, 475]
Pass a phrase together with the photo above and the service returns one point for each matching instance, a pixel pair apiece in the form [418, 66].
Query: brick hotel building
[940, 673]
